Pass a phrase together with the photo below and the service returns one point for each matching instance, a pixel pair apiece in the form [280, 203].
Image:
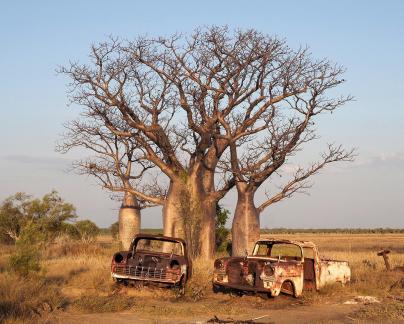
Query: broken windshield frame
[157, 245]
[278, 250]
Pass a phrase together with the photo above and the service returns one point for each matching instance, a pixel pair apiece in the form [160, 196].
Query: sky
[367, 37]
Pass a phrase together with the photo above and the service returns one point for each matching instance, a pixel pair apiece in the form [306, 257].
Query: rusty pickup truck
[153, 258]
[276, 266]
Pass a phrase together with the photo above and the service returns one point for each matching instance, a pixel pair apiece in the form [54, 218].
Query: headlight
[219, 264]
[174, 264]
[118, 258]
[268, 270]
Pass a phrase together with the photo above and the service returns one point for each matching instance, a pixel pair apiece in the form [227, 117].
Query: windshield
[152, 245]
[285, 251]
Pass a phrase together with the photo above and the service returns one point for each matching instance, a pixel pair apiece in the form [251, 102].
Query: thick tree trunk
[173, 221]
[203, 212]
[207, 239]
[189, 213]
[246, 223]
[129, 220]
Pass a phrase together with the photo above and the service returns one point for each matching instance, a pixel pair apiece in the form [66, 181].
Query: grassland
[76, 280]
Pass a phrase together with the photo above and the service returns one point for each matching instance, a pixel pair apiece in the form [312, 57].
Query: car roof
[158, 237]
[300, 243]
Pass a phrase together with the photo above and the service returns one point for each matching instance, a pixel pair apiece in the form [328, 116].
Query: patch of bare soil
[282, 309]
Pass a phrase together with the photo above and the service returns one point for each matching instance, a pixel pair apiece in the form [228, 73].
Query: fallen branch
[215, 319]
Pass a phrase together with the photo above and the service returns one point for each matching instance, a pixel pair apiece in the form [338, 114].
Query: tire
[216, 289]
[236, 293]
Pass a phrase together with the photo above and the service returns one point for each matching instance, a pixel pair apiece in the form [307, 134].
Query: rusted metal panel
[151, 262]
[287, 273]
[332, 271]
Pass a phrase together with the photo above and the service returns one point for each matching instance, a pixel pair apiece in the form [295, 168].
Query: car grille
[235, 273]
[143, 272]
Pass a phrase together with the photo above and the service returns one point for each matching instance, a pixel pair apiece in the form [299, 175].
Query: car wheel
[217, 289]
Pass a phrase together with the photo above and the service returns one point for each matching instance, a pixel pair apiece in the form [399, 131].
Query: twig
[215, 319]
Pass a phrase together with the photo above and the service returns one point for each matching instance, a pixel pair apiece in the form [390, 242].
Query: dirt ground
[289, 314]
[313, 308]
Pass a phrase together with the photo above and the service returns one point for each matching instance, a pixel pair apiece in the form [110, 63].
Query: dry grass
[25, 299]
[201, 282]
[77, 279]
[381, 312]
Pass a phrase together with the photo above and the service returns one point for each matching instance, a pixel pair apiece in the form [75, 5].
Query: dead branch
[299, 183]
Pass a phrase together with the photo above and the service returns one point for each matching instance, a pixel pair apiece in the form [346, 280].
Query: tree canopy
[210, 111]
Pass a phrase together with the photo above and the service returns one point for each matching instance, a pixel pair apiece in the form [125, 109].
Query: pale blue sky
[365, 36]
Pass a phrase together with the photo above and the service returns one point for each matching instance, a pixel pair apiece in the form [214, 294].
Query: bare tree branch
[299, 181]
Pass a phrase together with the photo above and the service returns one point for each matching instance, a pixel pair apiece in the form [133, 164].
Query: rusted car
[275, 266]
[153, 258]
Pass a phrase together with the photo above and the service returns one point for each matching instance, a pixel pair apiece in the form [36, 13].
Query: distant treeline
[282, 230]
[107, 231]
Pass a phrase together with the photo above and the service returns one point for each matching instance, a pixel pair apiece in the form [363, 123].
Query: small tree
[30, 224]
[47, 215]
[13, 215]
[222, 215]
[88, 230]
[25, 261]
[114, 228]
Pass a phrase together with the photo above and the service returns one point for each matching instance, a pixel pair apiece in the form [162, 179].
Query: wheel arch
[290, 284]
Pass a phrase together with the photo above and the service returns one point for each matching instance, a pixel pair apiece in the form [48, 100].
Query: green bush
[26, 258]
[32, 224]
[46, 215]
[222, 232]
[114, 230]
[25, 261]
[87, 230]
[71, 231]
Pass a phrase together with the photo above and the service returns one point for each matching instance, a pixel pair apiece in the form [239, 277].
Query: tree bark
[129, 220]
[207, 238]
[173, 221]
[189, 213]
[246, 222]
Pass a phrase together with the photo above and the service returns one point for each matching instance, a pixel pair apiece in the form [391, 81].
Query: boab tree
[118, 165]
[143, 86]
[284, 127]
[177, 96]
[246, 221]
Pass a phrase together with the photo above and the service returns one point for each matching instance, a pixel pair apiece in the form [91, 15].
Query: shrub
[87, 230]
[25, 261]
[46, 215]
[222, 232]
[13, 215]
[71, 231]
[114, 229]
[26, 258]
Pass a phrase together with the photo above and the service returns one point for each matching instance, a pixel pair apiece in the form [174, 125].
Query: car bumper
[172, 281]
[266, 286]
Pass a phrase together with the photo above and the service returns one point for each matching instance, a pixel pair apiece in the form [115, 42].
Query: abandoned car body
[153, 258]
[278, 266]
